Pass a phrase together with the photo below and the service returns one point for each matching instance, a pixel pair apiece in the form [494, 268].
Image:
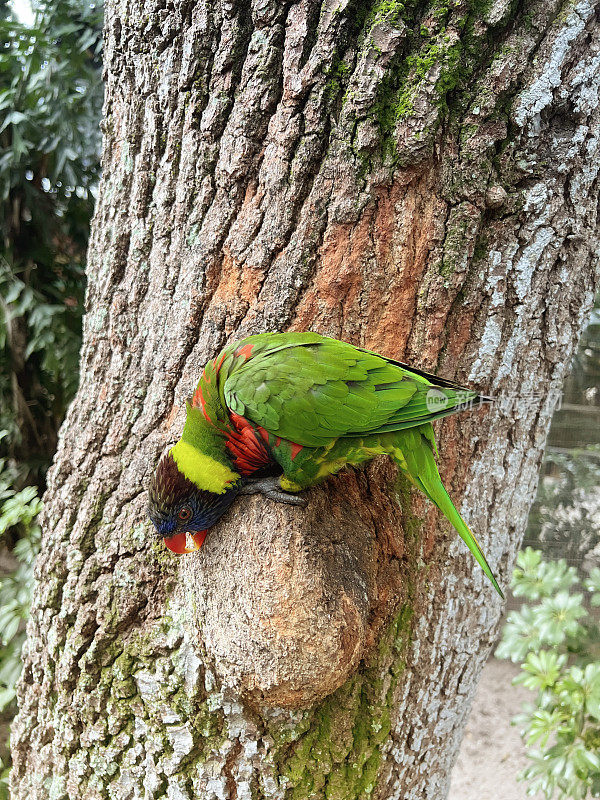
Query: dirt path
[492, 753]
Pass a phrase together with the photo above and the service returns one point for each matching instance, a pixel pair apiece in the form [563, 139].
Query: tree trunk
[417, 178]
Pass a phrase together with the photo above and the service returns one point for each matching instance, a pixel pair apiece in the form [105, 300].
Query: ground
[492, 753]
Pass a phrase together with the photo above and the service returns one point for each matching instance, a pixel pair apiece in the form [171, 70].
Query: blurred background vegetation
[553, 627]
[50, 106]
[565, 519]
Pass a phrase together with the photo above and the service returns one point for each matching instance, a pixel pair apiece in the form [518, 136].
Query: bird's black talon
[260, 485]
[270, 488]
[285, 497]
[250, 484]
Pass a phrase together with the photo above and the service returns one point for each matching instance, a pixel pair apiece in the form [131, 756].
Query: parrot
[278, 413]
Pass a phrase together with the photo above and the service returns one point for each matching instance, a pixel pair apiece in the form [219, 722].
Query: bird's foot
[270, 488]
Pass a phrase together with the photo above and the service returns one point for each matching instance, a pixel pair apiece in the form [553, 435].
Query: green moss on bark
[335, 750]
[445, 46]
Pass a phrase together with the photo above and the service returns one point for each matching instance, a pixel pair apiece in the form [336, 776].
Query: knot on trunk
[287, 601]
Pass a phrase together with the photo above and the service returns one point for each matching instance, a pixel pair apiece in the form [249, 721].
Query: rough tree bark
[417, 177]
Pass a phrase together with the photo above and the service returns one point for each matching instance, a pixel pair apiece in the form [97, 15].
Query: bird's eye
[185, 513]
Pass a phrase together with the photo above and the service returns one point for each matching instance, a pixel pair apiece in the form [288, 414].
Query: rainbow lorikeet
[279, 412]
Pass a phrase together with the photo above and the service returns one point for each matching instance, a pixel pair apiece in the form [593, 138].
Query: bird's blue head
[180, 511]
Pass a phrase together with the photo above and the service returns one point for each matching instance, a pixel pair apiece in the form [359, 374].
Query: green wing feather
[311, 389]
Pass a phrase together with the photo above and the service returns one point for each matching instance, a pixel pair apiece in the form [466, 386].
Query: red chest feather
[248, 449]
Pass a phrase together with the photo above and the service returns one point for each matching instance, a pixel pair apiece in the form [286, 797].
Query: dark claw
[285, 497]
[270, 488]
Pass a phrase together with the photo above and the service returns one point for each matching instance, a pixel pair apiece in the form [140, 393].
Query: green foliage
[50, 103]
[4, 780]
[557, 641]
[18, 515]
[534, 578]
[50, 95]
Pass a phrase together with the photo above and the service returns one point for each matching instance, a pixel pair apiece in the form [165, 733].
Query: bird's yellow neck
[201, 469]
[201, 454]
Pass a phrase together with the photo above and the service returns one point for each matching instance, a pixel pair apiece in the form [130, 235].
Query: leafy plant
[50, 104]
[18, 513]
[18, 519]
[593, 585]
[557, 641]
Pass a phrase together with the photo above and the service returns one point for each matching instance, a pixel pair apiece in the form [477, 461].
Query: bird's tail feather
[423, 471]
[440, 497]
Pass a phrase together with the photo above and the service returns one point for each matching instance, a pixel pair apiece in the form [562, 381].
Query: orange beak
[185, 542]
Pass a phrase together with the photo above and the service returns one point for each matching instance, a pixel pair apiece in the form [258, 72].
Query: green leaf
[541, 670]
[19, 509]
[557, 617]
[534, 578]
[564, 719]
[14, 118]
[9, 630]
[541, 725]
